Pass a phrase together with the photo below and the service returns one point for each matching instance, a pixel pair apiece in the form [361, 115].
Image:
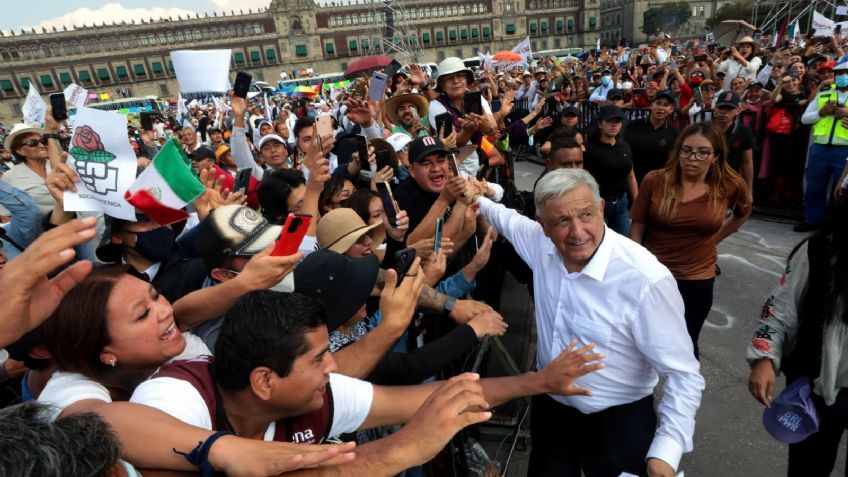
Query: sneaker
[805, 227]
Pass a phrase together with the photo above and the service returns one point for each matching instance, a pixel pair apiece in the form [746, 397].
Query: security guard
[827, 155]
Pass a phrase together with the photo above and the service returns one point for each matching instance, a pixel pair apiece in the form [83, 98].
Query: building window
[84, 76]
[163, 88]
[7, 85]
[532, 28]
[139, 70]
[300, 50]
[452, 35]
[152, 39]
[157, 68]
[330, 48]
[425, 37]
[544, 27]
[570, 23]
[102, 74]
[486, 32]
[352, 45]
[695, 11]
[463, 34]
[510, 28]
[592, 22]
[701, 10]
[238, 57]
[25, 82]
[271, 55]
[255, 57]
[46, 81]
[65, 78]
[475, 32]
[440, 36]
[121, 71]
[508, 8]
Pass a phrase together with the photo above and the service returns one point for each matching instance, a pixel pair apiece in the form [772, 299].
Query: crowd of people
[198, 346]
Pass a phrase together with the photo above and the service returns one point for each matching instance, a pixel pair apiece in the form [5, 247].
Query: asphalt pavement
[729, 438]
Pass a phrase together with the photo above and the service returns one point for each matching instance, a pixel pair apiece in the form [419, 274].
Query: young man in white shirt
[594, 285]
[272, 379]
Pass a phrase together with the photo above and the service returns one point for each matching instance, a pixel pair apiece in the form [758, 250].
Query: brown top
[686, 244]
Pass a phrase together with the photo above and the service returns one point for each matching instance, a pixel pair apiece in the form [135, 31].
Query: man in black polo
[652, 138]
[739, 138]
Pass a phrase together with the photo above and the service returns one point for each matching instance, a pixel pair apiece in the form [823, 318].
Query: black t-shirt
[610, 165]
[739, 139]
[650, 146]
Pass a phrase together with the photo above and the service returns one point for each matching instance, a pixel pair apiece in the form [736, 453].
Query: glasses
[700, 154]
[709, 88]
[35, 142]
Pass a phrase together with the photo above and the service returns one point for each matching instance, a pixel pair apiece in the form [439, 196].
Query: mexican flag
[165, 187]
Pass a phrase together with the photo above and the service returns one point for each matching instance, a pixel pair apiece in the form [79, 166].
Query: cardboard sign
[200, 71]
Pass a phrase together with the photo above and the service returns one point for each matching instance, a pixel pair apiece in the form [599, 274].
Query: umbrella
[364, 66]
[729, 32]
[507, 57]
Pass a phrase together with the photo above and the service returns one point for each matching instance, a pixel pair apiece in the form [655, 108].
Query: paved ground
[729, 438]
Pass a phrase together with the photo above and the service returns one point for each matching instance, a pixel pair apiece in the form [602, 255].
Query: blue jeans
[824, 164]
[616, 215]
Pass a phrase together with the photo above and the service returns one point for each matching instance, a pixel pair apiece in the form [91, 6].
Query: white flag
[598, 44]
[34, 108]
[221, 105]
[267, 108]
[524, 50]
[822, 25]
[794, 32]
[76, 95]
[182, 111]
[104, 160]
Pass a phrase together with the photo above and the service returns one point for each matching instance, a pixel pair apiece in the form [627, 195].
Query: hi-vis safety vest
[829, 130]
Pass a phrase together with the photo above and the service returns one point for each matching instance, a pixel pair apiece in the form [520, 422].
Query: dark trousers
[603, 444]
[697, 299]
[815, 456]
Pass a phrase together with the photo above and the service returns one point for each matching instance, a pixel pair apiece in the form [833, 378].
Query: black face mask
[155, 245]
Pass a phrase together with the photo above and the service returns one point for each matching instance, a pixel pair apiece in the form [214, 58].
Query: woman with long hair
[803, 332]
[680, 215]
[742, 60]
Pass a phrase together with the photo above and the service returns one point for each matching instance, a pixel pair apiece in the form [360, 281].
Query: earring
[113, 362]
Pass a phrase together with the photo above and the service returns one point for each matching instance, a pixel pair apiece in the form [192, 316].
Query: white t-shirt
[351, 402]
[64, 389]
[472, 162]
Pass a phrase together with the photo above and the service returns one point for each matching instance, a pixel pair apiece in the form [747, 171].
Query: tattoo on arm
[429, 297]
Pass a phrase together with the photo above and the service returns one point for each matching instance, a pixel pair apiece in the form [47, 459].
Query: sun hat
[340, 228]
[17, 130]
[792, 417]
[342, 283]
[755, 47]
[234, 230]
[393, 103]
[452, 65]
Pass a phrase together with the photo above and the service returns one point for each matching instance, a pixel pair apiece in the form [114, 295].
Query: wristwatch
[450, 302]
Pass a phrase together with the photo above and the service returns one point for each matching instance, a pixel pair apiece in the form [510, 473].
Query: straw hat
[393, 103]
[340, 228]
[755, 47]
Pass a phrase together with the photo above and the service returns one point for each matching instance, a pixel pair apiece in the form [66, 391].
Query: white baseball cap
[268, 138]
[399, 140]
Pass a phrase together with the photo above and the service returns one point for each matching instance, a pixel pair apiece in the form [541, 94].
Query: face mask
[131, 472]
[695, 80]
[842, 81]
[606, 80]
[155, 245]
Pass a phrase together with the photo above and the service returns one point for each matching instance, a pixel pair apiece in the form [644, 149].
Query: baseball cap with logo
[728, 99]
[342, 283]
[234, 230]
[792, 417]
[399, 140]
[421, 147]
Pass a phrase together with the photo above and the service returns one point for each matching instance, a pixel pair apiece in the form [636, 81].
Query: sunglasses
[35, 142]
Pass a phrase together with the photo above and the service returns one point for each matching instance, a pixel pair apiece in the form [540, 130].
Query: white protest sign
[76, 95]
[201, 71]
[221, 104]
[823, 25]
[523, 49]
[104, 160]
[34, 108]
[842, 10]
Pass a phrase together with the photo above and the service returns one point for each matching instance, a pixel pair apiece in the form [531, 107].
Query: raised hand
[559, 375]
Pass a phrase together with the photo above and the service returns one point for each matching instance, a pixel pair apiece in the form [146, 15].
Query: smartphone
[445, 121]
[146, 119]
[362, 149]
[388, 200]
[242, 84]
[323, 127]
[242, 180]
[393, 68]
[437, 237]
[384, 159]
[453, 165]
[292, 235]
[58, 106]
[472, 103]
[378, 86]
[700, 58]
[401, 262]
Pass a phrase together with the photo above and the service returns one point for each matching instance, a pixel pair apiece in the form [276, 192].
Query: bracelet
[200, 455]
[50, 136]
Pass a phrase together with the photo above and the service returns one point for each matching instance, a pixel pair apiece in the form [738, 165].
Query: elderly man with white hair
[595, 286]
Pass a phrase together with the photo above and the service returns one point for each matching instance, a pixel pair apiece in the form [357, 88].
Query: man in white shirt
[594, 285]
[273, 378]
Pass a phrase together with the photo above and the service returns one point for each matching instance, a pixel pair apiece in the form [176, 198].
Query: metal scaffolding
[777, 10]
[396, 38]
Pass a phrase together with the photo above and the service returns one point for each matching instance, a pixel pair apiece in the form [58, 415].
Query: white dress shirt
[627, 303]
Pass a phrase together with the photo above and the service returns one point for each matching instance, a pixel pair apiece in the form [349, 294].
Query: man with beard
[651, 139]
[407, 113]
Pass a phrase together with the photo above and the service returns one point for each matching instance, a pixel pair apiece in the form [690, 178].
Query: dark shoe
[805, 227]
[718, 270]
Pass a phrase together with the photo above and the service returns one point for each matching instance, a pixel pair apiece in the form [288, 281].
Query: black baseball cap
[203, 152]
[342, 283]
[728, 99]
[610, 111]
[571, 111]
[421, 147]
[664, 94]
[614, 94]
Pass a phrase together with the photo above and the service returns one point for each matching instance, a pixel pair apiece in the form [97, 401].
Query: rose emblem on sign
[92, 161]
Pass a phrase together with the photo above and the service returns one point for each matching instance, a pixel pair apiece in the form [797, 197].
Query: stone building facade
[133, 59]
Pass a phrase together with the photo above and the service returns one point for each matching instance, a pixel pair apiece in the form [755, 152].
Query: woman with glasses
[680, 215]
[29, 154]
